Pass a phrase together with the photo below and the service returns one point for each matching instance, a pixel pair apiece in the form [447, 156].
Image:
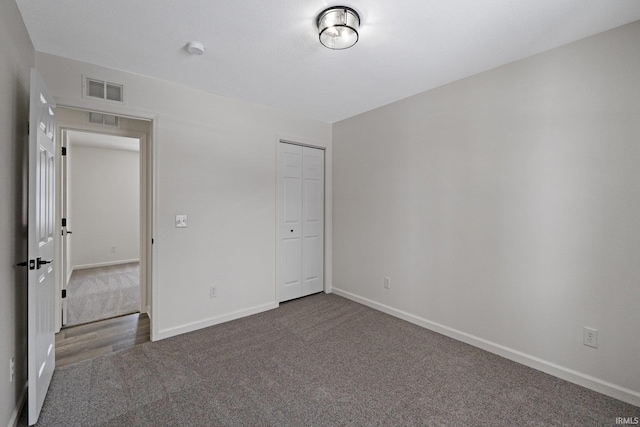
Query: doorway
[103, 226]
[105, 209]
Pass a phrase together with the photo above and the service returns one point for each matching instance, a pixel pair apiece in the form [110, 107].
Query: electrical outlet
[213, 291]
[181, 221]
[12, 369]
[387, 283]
[113, 249]
[590, 337]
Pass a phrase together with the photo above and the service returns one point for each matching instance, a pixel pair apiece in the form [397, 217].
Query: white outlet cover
[590, 337]
[181, 221]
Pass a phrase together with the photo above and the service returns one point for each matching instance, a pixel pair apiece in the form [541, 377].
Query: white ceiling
[98, 140]
[268, 52]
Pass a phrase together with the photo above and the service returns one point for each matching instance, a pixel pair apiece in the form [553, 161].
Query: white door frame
[143, 218]
[148, 205]
[326, 146]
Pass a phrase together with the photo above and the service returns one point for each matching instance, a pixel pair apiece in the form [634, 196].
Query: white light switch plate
[181, 221]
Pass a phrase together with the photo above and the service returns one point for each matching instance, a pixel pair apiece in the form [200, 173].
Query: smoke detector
[195, 48]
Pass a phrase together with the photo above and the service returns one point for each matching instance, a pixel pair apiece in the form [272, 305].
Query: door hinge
[64, 151]
[64, 293]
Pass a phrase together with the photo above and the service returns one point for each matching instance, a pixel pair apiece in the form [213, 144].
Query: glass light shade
[338, 27]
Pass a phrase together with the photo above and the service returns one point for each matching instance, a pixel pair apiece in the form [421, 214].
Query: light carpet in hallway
[103, 292]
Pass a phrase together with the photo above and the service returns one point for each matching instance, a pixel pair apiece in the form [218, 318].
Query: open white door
[41, 244]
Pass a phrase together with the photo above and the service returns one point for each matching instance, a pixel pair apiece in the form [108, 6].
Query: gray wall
[215, 161]
[505, 209]
[16, 57]
[105, 204]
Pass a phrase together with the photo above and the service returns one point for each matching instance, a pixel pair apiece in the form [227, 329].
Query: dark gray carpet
[318, 361]
[103, 292]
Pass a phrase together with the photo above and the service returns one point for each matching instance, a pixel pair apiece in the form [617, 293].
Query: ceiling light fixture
[338, 27]
[195, 48]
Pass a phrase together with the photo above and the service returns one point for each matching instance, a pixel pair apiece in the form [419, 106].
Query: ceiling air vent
[96, 118]
[104, 119]
[114, 92]
[94, 88]
[110, 120]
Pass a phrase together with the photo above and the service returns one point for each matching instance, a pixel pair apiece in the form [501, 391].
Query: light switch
[181, 221]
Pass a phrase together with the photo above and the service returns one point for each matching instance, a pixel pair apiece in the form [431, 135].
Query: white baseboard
[15, 416]
[604, 387]
[104, 264]
[190, 327]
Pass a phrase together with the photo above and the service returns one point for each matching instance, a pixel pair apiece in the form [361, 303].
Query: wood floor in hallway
[77, 343]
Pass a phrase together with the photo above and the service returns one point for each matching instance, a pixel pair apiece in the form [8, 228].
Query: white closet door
[290, 223]
[312, 220]
[300, 221]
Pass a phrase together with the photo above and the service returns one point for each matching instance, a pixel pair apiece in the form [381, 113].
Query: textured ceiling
[268, 52]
